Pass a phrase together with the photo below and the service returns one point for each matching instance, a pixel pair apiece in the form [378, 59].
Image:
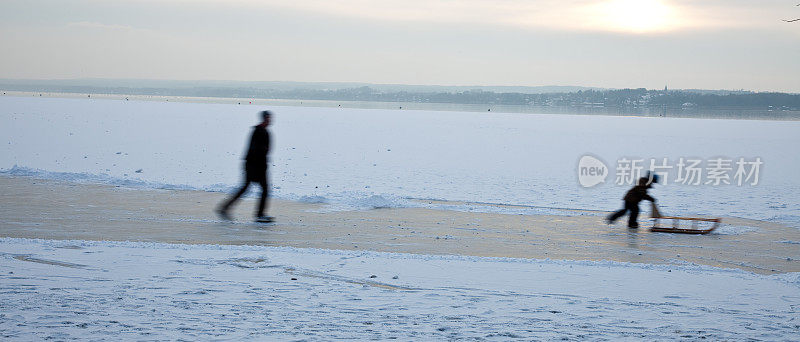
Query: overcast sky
[714, 44]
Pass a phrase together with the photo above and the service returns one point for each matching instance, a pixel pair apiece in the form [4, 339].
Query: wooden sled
[656, 215]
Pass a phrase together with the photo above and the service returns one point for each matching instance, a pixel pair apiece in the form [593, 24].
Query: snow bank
[88, 178]
[313, 199]
[374, 202]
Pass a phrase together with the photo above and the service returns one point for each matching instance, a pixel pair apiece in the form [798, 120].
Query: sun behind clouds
[637, 16]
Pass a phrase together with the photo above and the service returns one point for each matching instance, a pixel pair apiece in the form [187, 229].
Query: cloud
[101, 26]
[516, 13]
[632, 16]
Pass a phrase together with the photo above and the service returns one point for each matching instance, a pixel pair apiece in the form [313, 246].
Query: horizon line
[389, 84]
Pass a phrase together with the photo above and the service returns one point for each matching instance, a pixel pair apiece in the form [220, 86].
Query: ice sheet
[346, 156]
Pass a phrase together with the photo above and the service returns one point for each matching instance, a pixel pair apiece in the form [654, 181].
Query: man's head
[265, 117]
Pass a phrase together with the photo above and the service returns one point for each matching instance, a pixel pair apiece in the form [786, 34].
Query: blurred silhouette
[255, 170]
[632, 199]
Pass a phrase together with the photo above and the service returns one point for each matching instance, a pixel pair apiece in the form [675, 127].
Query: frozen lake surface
[370, 157]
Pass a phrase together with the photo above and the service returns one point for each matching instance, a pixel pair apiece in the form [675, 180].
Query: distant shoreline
[589, 109]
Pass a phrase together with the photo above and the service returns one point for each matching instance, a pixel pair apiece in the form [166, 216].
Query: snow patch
[312, 199]
[726, 229]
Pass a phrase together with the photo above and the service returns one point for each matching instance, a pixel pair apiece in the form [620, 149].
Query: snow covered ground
[108, 290]
[372, 158]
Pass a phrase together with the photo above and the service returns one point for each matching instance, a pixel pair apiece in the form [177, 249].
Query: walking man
[255, 167]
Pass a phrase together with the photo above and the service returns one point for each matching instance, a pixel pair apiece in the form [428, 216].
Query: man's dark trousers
[633, 216]
[253, 173]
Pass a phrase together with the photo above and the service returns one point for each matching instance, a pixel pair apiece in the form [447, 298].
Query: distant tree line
[617, 98]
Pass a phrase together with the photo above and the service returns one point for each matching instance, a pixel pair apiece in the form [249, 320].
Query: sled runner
[692, 221]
